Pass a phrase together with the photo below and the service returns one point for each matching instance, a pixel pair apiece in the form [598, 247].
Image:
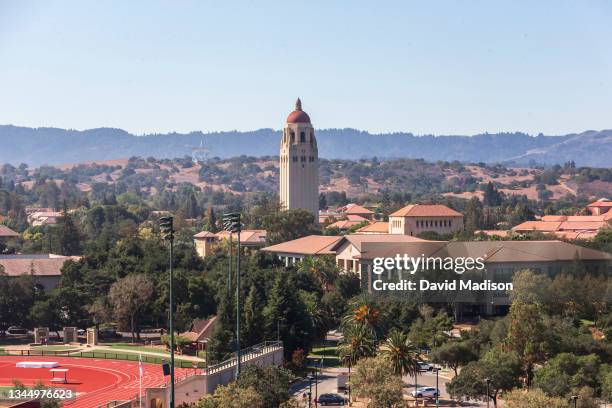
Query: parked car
[425, 392]
[16, 331]
[331, 399]
[108, 333]
[423, 366]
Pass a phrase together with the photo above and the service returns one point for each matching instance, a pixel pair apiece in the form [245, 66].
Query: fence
[104, 355]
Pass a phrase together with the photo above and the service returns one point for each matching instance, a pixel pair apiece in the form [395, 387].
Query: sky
[427, 67]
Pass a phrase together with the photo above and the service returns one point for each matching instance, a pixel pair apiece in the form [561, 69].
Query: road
[326, 383]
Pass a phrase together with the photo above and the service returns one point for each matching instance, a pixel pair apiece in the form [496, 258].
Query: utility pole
[167, 229]
[488, 381]
[231, 223]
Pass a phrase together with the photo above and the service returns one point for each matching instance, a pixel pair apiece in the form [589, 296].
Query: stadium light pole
[229, 266]
[167, 229]
[231, 223]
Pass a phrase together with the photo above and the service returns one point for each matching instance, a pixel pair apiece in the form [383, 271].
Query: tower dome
[298, 115]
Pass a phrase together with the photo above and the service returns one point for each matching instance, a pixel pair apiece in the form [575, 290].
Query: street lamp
[488, 381]
[349, 380]
[316, 384]
[231, 223]
[166, 226]
[437, 369]
[575, 399]
[309, 390]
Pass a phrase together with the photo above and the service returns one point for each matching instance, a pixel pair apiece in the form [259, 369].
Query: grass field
[54, 348]
[136, 349]
[328, 355]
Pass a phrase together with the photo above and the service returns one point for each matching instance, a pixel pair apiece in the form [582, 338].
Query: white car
[423, 366]
[425, 392]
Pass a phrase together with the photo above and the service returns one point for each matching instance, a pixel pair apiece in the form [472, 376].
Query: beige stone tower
[299, 164]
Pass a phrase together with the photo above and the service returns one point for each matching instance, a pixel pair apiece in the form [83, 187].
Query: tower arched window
[292, 136]
[302, 137]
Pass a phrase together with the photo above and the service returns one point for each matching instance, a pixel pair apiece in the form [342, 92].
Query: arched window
[302, 137]
[292, 136]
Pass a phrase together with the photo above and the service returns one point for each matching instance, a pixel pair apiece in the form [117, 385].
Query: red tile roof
[544, 226]
[205, 234]
[248, 237]
[354, 209]
[426, 210]
[344, 224]
[309, 245]
[7, 232]
[38, 265]
[379, 227]
[601, 203]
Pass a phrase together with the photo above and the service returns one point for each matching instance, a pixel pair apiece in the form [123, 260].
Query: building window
[294, 159]
[292, 136]
[302, 137]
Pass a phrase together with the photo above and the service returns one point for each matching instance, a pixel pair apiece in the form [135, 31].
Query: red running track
[96, 381]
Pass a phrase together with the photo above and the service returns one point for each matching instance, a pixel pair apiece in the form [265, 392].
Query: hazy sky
[442, 67]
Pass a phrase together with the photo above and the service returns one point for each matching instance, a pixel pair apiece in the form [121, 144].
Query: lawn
[136, 348]
[126, 355]
[54, 348]
[328, 355]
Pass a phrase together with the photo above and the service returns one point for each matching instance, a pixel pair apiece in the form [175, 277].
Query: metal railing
[245, 355]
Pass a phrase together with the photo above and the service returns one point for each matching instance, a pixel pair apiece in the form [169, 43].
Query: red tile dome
[298, 115]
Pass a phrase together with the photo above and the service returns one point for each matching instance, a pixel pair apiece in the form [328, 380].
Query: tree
[454, 354]
[473, 215]
[286, 312]
[129, 296]
[500, 367]
[402, 353]
[271, 383]
[70, 242]
[212, 220]
[324, 269]
[374, 378]
[534, 398]
[531, 288]
[232, 396]
[566, 371]
[492, 197]
[288, 225]
[363, 310]
[528, 336]
[358, 342]
[253, 317]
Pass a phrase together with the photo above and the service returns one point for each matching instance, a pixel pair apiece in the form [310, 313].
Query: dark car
[331, 399]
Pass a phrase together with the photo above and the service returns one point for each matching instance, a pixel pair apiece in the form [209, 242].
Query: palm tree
[403, 353]
[363, 311]
[324, 271]
[358, 342]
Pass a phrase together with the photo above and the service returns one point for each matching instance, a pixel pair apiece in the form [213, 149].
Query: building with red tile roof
[417, 218]
[45, 268]
[205, 240]
[600, 207]
[377, 227]
[6, 232]
[311, 245]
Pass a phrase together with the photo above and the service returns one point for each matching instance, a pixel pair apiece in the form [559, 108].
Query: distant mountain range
[36, 146]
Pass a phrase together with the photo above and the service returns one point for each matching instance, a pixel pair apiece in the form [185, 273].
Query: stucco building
[417, 218]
